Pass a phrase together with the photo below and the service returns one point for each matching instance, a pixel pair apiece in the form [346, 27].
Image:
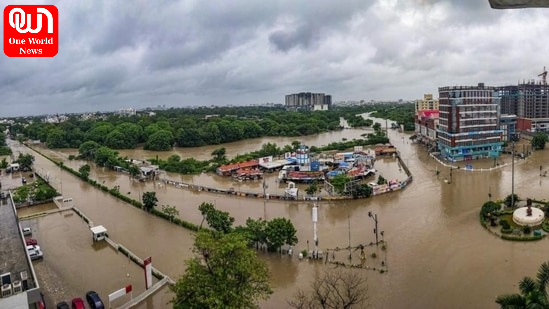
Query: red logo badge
[31, 31]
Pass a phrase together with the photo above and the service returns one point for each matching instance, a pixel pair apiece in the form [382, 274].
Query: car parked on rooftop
[33, 247]
[36, 255]
[31, 242]
[27, 231]
[78, 303]
[62, 305]
[94, 301]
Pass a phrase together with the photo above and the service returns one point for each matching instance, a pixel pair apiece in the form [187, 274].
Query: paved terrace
[14, 256]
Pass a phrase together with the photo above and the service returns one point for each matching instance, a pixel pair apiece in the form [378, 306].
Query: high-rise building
[308, 101]
[530, 102]
[509, 98]
[468, 124]
[428, 103]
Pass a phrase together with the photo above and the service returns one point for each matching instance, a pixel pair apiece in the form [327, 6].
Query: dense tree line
[181, 127]
[200, 126]
[4, 149]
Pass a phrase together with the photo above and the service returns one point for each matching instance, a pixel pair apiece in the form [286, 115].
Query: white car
[36, 255]
[27, 231]
[33, 248]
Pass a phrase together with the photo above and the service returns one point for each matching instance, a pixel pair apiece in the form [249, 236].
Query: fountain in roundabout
[528, 215]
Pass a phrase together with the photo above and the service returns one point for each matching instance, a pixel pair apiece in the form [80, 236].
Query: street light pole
[374, 217]
[513, 175]
[315, 237]
[265, 186]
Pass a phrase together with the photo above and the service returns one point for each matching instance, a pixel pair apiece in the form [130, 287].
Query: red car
[31, 242]
[78, 303]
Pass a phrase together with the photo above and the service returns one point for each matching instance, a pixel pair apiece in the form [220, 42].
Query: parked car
[36, 255]
[27, 231]
[94, 301]
[78, 303]
[62, 305]
[33, 248]
[31, 242]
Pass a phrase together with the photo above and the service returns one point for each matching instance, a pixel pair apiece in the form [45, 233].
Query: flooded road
[438, 254]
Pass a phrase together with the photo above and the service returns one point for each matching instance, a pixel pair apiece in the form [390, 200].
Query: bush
[506, 230]
[489, 207]
[521, 238]
[503, 223]
[527, 229]
[510, 197]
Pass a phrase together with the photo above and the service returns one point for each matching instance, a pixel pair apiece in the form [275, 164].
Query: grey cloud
[180, 53]
[284, 40]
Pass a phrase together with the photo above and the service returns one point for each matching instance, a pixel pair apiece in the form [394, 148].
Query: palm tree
[533, 293]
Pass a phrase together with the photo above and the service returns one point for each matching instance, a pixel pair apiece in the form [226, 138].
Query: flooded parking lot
[73, 264]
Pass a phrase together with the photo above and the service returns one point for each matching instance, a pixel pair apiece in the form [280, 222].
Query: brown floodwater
[438, 255]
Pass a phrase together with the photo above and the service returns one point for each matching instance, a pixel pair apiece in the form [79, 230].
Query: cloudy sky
[115, 54]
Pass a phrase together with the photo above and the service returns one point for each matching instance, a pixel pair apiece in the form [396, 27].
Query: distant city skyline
[182, 53]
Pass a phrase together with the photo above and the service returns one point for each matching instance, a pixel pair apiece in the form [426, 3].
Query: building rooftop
[14, 259]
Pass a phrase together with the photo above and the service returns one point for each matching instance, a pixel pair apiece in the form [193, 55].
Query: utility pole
[315, 237]
[265, 186]
[349, 224]
[374, 217]
[513, 175]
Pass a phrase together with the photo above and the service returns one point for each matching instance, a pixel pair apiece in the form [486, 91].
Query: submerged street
[438, 255]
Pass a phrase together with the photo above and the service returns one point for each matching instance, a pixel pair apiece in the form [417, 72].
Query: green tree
[170, 211]
[99, 132]
[339, 182]
[133, 170]
[256, 231]
[44, 192]
[5, 151]
[225, 273]
[510, 200]
[25, 161]
[219, 154]
[278, 232]
[159, 141]
[149, 200]
[188, 137]
[362, 190]
[532, 292]
[131, 132]
[377, 127]
[4, 163]
[56, 139]
[539, 140]
[87, 150]
[84, 170]
[333, 290]
[218, 220]
[116, 140]
[107, 157]
[312, 189]
[381, 180]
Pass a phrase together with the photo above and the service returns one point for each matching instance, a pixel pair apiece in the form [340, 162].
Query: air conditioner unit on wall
[17, 288]
[6, 290]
